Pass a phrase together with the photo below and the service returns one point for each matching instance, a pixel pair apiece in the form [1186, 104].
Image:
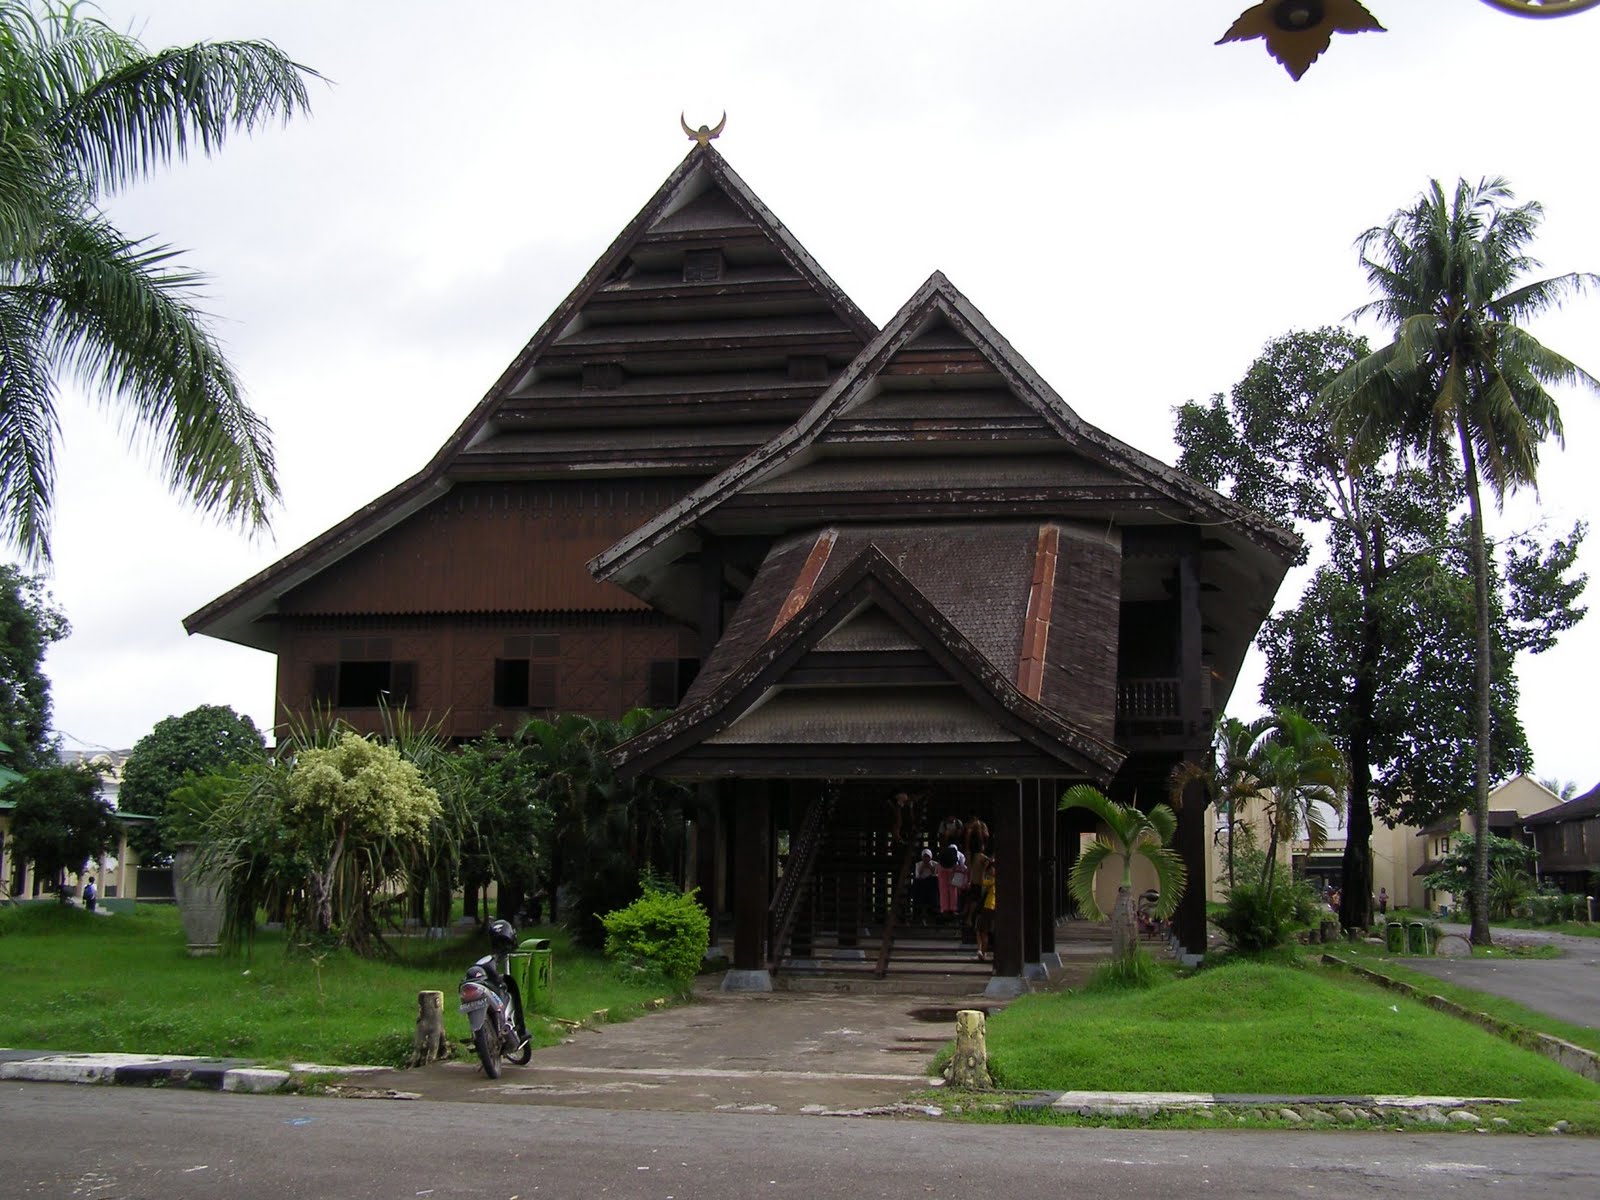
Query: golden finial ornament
[705, 134]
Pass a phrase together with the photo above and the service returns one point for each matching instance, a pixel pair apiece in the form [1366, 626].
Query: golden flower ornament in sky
[1298, 31]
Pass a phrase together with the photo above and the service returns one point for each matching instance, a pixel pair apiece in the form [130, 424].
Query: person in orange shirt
[984, 922]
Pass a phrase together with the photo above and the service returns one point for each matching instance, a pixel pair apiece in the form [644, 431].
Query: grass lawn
[72, 981]
[1251, 1028]
[1507, 1010]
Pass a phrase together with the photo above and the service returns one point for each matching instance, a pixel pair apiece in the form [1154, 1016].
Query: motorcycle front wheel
[487, 1043]
[520, 1057]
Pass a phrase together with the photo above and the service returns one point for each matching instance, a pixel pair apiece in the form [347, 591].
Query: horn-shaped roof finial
[705, 133]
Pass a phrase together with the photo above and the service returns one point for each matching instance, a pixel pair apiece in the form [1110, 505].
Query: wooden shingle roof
[770, 682]
[940, 416]
[703, 329]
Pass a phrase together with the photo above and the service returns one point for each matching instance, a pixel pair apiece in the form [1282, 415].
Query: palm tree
[1302, 775]
[1463, 384]
[84, 111]
[1129, 834]
[1233, 776]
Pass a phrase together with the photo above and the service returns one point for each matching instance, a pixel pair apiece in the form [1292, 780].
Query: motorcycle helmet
[502, 935]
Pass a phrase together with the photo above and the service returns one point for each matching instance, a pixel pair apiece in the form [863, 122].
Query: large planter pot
[199, 903]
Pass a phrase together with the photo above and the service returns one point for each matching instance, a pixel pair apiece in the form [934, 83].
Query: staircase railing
[803, 850]
[896, 891]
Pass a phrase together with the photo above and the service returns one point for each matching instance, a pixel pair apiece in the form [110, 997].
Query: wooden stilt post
[752, 889]
[1008, 854]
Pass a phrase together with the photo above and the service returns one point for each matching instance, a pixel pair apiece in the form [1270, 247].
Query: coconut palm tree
[1232, 779]
[85, 111]
[1463, 384]
[1303, 777]
[1128, 834]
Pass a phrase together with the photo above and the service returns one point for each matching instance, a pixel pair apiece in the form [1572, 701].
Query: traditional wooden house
[891, 562]
[1567, 837]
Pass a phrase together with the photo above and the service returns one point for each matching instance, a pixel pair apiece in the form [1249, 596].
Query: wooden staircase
[841, 917]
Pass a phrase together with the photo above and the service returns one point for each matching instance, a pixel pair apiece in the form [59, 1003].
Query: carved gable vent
[702, 266]
[808, 368]
[602, 376]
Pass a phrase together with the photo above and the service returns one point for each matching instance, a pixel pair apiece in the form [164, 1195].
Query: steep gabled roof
[1579, 809]
[940, 415]
[937, 302]
[763, 701]
[673, 416]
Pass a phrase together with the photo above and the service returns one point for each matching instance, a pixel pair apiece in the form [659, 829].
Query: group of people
[956, 883]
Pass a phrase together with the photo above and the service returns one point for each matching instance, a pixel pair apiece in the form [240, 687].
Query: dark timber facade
[855, 561]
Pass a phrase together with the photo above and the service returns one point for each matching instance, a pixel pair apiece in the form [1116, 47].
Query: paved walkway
[1567, 988]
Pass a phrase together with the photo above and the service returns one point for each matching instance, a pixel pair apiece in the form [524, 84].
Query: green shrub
[663, 931]
[1553, 907]
[1255, 920]
[1509, 891]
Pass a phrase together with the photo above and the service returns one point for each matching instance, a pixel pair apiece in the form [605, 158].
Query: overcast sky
[1136, 209]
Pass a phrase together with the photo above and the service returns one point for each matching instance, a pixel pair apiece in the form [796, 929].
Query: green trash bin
[538, 971]
[1417, 938]
[1394, 937]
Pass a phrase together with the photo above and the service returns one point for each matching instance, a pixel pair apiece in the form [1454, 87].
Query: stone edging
[146, 1070]
[1563, 1053]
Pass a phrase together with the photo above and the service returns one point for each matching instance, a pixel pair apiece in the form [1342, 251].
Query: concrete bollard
[969, 1065]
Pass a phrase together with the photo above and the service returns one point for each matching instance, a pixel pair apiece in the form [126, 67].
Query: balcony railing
[1155, 699]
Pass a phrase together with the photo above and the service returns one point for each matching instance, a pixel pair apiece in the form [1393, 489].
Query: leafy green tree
[509, 822]
[203, 741]
[1372, 652]
[60, 821]
[1422, 729]
[604, 831]
[1463, 385]
[1508, 859]
[29, 624]
[85, 111]
[316, 832]
[1129, 833]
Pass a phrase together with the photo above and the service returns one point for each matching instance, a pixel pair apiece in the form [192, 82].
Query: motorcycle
[493, 1004]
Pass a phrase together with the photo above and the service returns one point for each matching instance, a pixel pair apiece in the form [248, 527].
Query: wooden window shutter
[324, 683]
[402, 683]
[543, 685]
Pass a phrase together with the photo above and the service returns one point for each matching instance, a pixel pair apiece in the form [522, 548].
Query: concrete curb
[142, 1070]
[1577, 1059]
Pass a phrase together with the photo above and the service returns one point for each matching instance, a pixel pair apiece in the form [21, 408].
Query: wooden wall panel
[603, 668]
[502, 547]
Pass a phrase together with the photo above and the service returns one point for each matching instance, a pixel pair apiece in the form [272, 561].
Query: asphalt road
[1567, 988]
[121, 1144]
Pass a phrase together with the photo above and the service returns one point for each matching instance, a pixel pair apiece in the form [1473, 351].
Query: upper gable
[937, 417]
[703, 330]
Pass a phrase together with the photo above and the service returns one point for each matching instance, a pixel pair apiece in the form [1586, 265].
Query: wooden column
[1032, 885]
[753, 882]
[1189, 922]
[1049, 885]
[707, 835]
[1008, 854]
